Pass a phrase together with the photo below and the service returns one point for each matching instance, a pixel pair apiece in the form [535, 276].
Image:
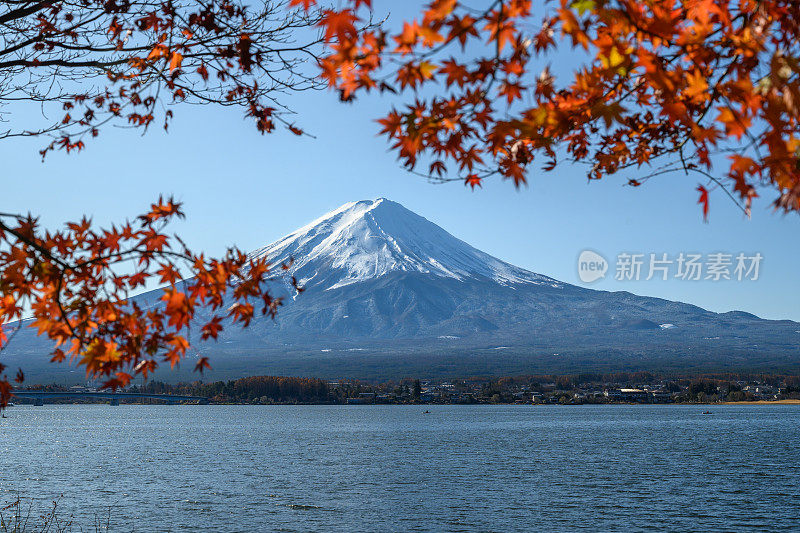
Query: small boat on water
[706, 412]
[426, 412]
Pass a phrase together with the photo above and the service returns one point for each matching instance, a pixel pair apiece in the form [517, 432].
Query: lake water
[395, 468]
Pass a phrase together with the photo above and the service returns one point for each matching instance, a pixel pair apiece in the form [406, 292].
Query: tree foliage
[72, 284]
[251, 389]
[102, 62]
[699, 86]
[117, 61]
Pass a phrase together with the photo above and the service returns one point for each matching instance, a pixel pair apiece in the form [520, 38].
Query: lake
[395, 468]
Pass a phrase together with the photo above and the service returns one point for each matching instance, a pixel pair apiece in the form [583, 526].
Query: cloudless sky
[246, 189]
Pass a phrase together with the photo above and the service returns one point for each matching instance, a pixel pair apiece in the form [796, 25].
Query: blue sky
[246, 189]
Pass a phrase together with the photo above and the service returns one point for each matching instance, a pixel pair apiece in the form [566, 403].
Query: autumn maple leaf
[703, 200]
[305, 3]
[472, 180]
[339, 24]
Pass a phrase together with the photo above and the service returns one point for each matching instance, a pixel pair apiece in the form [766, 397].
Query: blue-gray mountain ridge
[390, 294]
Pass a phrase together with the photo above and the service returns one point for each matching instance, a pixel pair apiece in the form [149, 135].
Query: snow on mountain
[368, 239]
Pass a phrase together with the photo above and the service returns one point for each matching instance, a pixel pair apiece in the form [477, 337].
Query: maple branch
[30, 241]
[16, 14]
[721, 186]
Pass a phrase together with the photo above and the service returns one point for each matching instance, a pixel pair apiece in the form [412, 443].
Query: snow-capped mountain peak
[390, 295]
[371, 238]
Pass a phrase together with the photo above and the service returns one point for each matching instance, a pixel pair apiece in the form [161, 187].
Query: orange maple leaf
[473, 180]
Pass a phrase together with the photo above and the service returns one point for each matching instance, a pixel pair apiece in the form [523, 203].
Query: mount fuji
[390, 294]
[362, 241]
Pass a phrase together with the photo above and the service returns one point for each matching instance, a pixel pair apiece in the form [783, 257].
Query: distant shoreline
[538, 404]
[762, 402]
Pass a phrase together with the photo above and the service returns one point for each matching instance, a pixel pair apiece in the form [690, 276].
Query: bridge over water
[114, 397]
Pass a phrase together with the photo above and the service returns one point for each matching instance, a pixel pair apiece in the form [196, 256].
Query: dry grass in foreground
[18, 517]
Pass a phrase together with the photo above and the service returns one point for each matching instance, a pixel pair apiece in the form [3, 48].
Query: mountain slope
[389, 294]
[385, 286]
